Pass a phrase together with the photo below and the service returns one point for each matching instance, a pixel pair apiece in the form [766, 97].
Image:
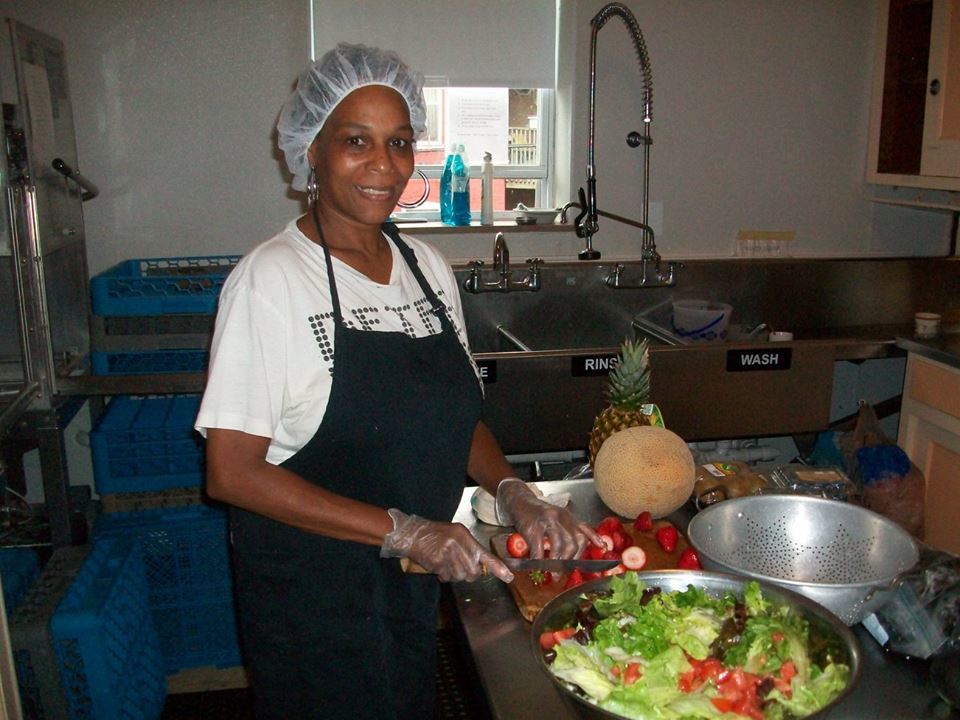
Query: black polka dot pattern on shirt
[323, 335]
[365, 317]
[400, 311]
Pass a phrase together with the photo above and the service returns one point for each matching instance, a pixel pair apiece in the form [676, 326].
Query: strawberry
[689, 560]
[633, 557]
[609, 525]
[621, 541]
[517, 546]
[644, 522]
[667, 537]
[607, 541]
[594, 552]
[615, 570]
[575, 578]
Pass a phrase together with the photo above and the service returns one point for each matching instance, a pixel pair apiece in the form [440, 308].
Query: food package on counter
[722, 479]
[829, 482]
[922, 617]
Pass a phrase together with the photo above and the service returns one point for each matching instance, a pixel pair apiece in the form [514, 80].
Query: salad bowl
[828, 635]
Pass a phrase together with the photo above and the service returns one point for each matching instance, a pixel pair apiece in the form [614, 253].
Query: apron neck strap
[391, 231]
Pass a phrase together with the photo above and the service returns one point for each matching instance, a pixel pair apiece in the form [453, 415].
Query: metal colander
[842, 556]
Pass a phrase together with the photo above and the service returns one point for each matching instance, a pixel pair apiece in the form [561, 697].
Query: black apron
[329, 629]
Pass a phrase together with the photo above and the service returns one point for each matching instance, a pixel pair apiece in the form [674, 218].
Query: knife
[499, 545]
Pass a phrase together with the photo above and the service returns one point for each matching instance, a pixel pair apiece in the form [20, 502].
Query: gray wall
[760, 122]
[175, 105]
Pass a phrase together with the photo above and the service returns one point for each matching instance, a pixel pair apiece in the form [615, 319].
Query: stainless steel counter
[944, 348]
[498, 638]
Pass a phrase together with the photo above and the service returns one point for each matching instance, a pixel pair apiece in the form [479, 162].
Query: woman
[342, 416]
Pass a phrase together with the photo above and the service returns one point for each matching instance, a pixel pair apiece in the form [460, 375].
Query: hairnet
[326, 82]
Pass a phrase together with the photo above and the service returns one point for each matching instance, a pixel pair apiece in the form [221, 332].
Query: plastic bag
[888, 482]
[923, 616]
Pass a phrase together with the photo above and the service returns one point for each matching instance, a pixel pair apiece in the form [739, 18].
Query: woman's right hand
[446, 549]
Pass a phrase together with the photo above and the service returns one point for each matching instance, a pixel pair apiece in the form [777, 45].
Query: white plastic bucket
[701, 320]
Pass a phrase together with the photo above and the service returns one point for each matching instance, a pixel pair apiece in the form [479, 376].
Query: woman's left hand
[537, 519]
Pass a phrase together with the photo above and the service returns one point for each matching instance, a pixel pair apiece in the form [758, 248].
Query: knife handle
[409, 566]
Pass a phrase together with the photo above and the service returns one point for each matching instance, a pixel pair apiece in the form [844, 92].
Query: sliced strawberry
[667, 537]
[633, 557]
[615, 570]
[575, 578]
[607, 542]
[590, 575]
[644, 522]
[689, 560]
[517, 545]
[595, 552]
[632, 673]
[609, 525]
[621, 540]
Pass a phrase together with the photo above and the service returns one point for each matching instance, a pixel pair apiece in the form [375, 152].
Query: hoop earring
[313, 189]
[426, 192]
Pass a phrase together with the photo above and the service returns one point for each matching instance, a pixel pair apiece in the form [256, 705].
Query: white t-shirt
[271, 360]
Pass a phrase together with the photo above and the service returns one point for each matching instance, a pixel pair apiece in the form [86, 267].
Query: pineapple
[627, 391]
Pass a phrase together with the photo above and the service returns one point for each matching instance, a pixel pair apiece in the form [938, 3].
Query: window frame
[543, 174]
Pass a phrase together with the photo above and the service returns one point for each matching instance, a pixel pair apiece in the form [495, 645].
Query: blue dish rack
[107, 648]
[19, 569]
[187, 565]
[159, 286]
[147, 443]
[148, 362]
[42, 696]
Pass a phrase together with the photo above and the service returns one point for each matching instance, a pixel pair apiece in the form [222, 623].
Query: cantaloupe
[644, 468]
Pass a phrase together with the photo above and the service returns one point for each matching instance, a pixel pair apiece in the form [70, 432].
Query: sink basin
[548, 322]
[655, 323]
[545, 358]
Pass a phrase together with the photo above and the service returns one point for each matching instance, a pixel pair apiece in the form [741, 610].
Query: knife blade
[557, 565]
[499, 545]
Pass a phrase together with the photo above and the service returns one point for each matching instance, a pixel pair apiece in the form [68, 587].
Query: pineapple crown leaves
[629, 384]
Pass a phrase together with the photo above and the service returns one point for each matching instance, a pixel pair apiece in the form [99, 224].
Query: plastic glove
[447, 549]
[534, 518]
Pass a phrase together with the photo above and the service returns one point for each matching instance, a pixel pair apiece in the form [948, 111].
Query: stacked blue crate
[152, 287]
[186, 558]
[146, 443]
[110, 663]
[19, 568]
[42, 695]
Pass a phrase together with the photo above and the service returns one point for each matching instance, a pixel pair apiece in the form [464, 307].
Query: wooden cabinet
[915, 116]
[930, 434]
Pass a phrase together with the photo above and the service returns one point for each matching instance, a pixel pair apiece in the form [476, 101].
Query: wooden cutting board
[531, 598]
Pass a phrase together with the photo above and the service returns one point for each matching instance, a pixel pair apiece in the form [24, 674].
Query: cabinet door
[930, 434]
[914, 138]
[941, 126]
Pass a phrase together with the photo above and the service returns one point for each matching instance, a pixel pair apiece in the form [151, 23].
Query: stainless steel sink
[546, 355]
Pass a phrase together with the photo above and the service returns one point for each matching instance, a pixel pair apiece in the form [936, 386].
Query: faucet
[501, 256]
[587, 223]
[530, 282]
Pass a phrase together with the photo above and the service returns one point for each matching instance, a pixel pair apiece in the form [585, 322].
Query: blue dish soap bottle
[446, 188]
[461, 187]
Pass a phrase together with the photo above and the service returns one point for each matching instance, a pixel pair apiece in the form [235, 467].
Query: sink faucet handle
[476, 264]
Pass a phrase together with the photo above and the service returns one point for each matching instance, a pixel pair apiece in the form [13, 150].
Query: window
[477, 93]
[512, 124]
